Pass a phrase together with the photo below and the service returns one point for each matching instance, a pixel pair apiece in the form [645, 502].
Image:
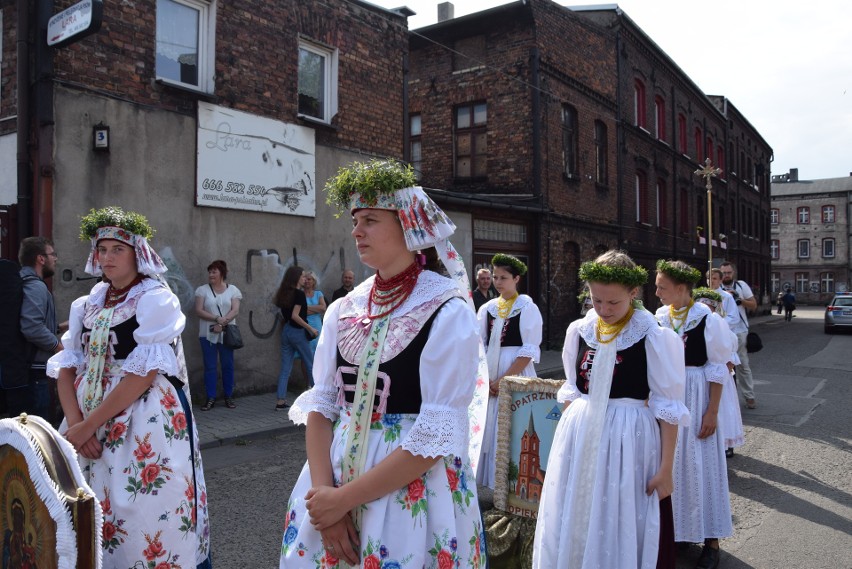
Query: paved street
[791, 489]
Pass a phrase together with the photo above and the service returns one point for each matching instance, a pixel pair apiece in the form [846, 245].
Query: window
[774, 216]
[681, 133]
[828, 214]
[743, 220]
[639, 104]
[804, 248]
[720, 161]
[733, 216]
[317, 81]
[660, 117]
[828, 248]
[775, 281]
[801, 282]
[774, 249]
[570, 139]
[415, 145]
[662, 212]
[698, 139]
[471, 141]
[684, 210]
[803, 215]
[826, 282]
[708, 148]
[185, 43]
[641, 197]
[600, 153]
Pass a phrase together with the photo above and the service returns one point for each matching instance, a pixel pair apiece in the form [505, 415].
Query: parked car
[838, 314]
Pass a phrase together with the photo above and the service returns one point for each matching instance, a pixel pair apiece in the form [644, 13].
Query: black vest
[696, 346]
[124, 337]
[629, 376]
[511, 330]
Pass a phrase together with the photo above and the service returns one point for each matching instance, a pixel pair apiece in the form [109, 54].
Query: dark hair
[32, 247]
[289, 285]
[729, 264]
[221, 265]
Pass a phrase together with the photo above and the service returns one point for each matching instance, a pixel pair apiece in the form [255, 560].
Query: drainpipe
[619, 141]
[24, 201]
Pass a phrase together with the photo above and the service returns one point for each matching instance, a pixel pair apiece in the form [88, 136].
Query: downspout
[24, 201]
[619, 141]
[44, 123]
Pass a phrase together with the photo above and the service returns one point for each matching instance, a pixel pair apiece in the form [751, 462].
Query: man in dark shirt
[484, 291]
[348, 280]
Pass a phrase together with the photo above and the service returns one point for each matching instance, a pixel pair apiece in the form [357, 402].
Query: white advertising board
[254, 163]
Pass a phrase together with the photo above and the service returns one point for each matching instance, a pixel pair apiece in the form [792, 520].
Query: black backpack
[14, 349]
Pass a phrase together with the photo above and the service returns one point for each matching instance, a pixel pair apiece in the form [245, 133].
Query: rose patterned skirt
[432, 522]
[149, 484]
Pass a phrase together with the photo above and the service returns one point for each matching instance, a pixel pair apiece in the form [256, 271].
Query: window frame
[681, 133]
[826, 281]
[570, 142]
[825, 210]
[775, 281]
[802, 282]
[473, 129]
[330, 83]
[833, 243]
[415, 140]
[662, 204]
[774, 216]
[799, 215]
[641, 194]
[206, 49]
[775, 249]
[803, 248]
[660, 118]
[601, 153]
[640, 118]
[684, 211]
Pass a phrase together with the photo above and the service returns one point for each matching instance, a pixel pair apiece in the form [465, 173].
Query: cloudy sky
[786, 65]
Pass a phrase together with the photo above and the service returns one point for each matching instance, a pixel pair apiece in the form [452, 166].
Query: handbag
[753, 343]
[231, 336]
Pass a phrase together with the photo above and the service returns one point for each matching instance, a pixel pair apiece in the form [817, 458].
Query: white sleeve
[448, 370]
[530, 333]
[569, 391]
[482, 322]
[72, 341]
[666, 376]
[718, 349]
[746, 290]
[235, 293]
[322, 397]
[160, 322]
[734, 345]
[732, 311]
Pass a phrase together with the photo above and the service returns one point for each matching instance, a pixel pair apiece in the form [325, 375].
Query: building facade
[810, 235]
[222, 123]
[564, 133]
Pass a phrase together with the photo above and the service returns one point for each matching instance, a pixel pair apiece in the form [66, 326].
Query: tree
[513, 474]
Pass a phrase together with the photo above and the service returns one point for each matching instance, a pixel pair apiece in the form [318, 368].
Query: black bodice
[125, 342]
[403, 371]
[630, 374]
[511, 330]
[696, 346]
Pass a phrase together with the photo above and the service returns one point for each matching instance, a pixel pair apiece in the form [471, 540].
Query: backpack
[14, 349]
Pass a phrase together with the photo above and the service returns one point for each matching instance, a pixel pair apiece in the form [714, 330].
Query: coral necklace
[612, 330]
[679, 314]
[115, 296]
[388, 295]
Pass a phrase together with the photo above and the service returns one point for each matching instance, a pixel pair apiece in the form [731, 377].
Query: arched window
[639, 104]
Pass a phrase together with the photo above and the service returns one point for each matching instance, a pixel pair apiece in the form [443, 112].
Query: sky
[787, 66]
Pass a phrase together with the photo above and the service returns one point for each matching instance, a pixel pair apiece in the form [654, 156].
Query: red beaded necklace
[392, 292]
[115, 296]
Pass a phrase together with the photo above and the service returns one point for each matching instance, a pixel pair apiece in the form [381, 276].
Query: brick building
[223, 122]
[810, 234]
[563, 133]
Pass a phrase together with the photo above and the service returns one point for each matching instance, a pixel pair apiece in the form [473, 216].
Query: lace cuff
[65, 358]
[717, 373]
[438, 431]
[669, 410]
[568, 392]
[529, 351]
[323, 401]
[147, 357]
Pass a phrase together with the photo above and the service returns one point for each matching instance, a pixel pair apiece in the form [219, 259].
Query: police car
[838, 313]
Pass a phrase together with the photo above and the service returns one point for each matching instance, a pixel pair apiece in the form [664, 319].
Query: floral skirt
[432, 522]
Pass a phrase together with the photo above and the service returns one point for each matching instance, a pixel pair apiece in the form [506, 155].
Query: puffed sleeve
[160, 322]
[666, 376]
[734, 343]
[72, 341]
[530, 332]
[718, 349]
[322, 397]
[569, 392]
[448, 367]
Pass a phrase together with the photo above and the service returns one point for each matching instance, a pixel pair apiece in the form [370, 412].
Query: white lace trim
[716, 373]
[438, 431]
[636, 329]
[124, 310]
[147, 357]
[568, 392]
[529, 351]
[517, 307]
[429, 285]
[693, 318]
[64, 359]
[321, 400]
[669, 410]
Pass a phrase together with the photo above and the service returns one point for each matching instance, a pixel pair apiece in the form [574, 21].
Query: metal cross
[708, 172]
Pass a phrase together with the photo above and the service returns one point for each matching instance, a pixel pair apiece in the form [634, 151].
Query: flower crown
[590, 271]
[112, 216]
[370, 180]
[690, 275]
[704, 292]
[503, 260]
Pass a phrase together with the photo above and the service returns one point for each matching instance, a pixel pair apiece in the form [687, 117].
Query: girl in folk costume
[388, 480]
[124, 389]
[610, 464]
[702, 508]
[511, 330]
[730, 418]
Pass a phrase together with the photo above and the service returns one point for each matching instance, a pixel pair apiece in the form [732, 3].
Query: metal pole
[709, 227]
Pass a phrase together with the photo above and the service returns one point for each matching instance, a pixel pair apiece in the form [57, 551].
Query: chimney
[794, 174]
[446, 11]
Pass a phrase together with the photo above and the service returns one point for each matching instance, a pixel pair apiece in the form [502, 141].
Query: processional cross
[708, 172]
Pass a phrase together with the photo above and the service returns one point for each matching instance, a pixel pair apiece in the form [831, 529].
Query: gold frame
[508, 386]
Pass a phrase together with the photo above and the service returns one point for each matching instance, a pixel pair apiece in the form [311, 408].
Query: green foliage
[503, 260]
[112, 216]
[369, 179]
[688, 275]
[704, 292]
[591, 271]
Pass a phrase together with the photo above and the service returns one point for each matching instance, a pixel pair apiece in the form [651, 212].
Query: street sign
[75, 23]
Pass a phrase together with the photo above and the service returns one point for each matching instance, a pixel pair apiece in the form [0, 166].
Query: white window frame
[833, 248]
[774, 249]
[206, 47]
[801, 282]
[826, 209]
[330, 81]
[803, 215]
[775, 279]
[803, 248]
[774, 216]
[826, 282]
[415, 135]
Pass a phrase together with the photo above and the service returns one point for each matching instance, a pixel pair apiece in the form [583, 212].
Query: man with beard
[37, 257]
[347, 279]
[745, 301]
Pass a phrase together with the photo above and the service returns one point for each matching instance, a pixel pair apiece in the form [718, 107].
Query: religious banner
[49, 516]
[526, 422]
